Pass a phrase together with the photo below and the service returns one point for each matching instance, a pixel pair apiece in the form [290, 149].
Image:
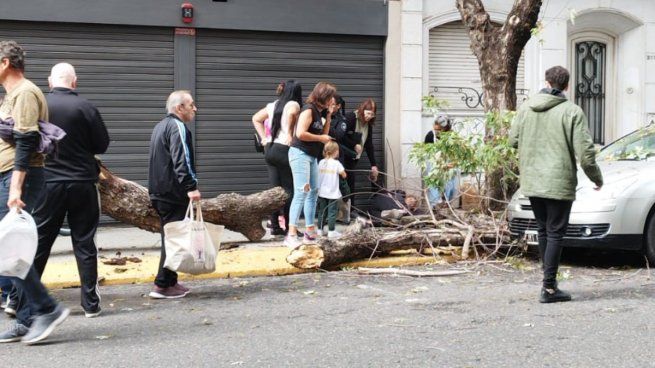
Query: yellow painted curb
[61, 272]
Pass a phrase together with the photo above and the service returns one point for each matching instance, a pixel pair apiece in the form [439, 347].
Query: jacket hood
[545, 101]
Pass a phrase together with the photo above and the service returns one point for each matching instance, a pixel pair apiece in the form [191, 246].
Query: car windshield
[638, 145]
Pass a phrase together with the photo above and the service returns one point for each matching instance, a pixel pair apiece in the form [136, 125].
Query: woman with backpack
[282, 115]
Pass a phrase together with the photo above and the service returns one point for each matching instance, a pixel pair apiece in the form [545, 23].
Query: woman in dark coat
[356, 134]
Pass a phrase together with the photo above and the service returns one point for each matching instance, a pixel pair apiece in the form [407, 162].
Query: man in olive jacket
[550, 132]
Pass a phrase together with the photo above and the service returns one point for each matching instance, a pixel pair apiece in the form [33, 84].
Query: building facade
[607, 45]
[130, 55]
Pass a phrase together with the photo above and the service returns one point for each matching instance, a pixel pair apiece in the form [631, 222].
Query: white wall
[410, 92]
[631, 23]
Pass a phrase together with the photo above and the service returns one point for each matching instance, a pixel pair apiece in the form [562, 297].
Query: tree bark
[498, 49]
[370, 242]
[129, 202]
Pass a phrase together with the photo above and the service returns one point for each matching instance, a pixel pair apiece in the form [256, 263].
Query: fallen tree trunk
[358, 244]
[128, 202]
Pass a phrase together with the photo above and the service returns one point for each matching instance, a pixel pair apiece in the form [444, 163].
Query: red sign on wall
[185, 31]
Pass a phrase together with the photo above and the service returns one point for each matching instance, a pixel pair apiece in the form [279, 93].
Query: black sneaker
[44, 324]
[554, 295]
[93, 313]
[14, 333]
[276, 231]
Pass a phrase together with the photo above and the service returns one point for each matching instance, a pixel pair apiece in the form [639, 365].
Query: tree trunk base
[357, 244]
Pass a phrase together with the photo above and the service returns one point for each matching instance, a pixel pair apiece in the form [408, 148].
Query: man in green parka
[550, 132]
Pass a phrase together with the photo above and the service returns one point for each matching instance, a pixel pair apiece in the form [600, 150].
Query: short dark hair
[13, 52]
[558, 77]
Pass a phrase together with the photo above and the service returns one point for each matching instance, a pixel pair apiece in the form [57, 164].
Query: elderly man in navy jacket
[71, 176]
[172, 181]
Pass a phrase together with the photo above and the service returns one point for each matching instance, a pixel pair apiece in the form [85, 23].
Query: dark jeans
[168, 212]
[552, 218]
[78, 201]
[31, 295]
[327, 212]
[279, 171]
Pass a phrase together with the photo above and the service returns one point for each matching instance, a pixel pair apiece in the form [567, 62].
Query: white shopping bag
[192, 244]
[18, 242]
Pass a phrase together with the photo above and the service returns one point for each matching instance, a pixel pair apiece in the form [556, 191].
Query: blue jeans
[32, 296]
[304, 169]
[450, 191]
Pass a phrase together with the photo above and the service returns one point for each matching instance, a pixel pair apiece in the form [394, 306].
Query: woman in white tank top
[282, 115]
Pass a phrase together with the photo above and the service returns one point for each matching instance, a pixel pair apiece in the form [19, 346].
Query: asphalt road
[487, 318]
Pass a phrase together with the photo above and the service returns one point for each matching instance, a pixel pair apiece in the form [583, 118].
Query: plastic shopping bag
[192, 244]
[18, 242]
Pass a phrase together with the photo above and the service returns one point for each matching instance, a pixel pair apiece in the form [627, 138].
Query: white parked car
[621, 214]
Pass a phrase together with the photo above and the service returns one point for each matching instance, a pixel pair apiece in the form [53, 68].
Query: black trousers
[279, 171]
[79, 202]
[350, 165]
[552, 218]
[168, 212]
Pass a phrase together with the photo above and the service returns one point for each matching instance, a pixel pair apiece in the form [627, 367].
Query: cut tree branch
[129, 202]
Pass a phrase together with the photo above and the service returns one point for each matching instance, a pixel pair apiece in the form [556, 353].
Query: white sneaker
[292, 241]
[333, 234]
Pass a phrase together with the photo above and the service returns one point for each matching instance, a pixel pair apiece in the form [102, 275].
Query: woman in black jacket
[357, 135]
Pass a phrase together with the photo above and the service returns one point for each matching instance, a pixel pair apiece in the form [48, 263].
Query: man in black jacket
[71, 176]
[172, 179]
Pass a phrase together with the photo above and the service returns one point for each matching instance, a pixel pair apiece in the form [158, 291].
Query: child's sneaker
[292, 241]
[333, 234]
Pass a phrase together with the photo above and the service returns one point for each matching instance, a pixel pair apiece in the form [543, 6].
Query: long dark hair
[340, 101]
[291, 91]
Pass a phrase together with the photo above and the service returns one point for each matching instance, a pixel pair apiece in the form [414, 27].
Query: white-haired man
[172, 181]
[71, 176]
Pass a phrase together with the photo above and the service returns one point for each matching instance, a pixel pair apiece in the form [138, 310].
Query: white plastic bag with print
[192, 244]
[18, 242]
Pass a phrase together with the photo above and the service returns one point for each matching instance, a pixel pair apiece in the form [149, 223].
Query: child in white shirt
[329, 171]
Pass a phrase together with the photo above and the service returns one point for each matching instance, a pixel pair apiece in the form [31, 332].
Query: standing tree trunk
[498, 49]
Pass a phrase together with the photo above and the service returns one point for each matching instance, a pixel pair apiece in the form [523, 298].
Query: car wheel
[650, 240]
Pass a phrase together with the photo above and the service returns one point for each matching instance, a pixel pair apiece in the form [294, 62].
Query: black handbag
[259, 147]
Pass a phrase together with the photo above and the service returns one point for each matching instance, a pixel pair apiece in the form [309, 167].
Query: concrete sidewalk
[263, 258]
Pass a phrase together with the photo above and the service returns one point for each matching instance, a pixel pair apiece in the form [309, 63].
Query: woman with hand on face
[359, 136]
[306, 148]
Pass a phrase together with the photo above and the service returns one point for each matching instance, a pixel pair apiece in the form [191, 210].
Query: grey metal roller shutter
[127, 72]
[237, 73]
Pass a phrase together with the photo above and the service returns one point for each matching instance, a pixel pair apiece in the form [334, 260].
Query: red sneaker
[166, 293]
[181, 287]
